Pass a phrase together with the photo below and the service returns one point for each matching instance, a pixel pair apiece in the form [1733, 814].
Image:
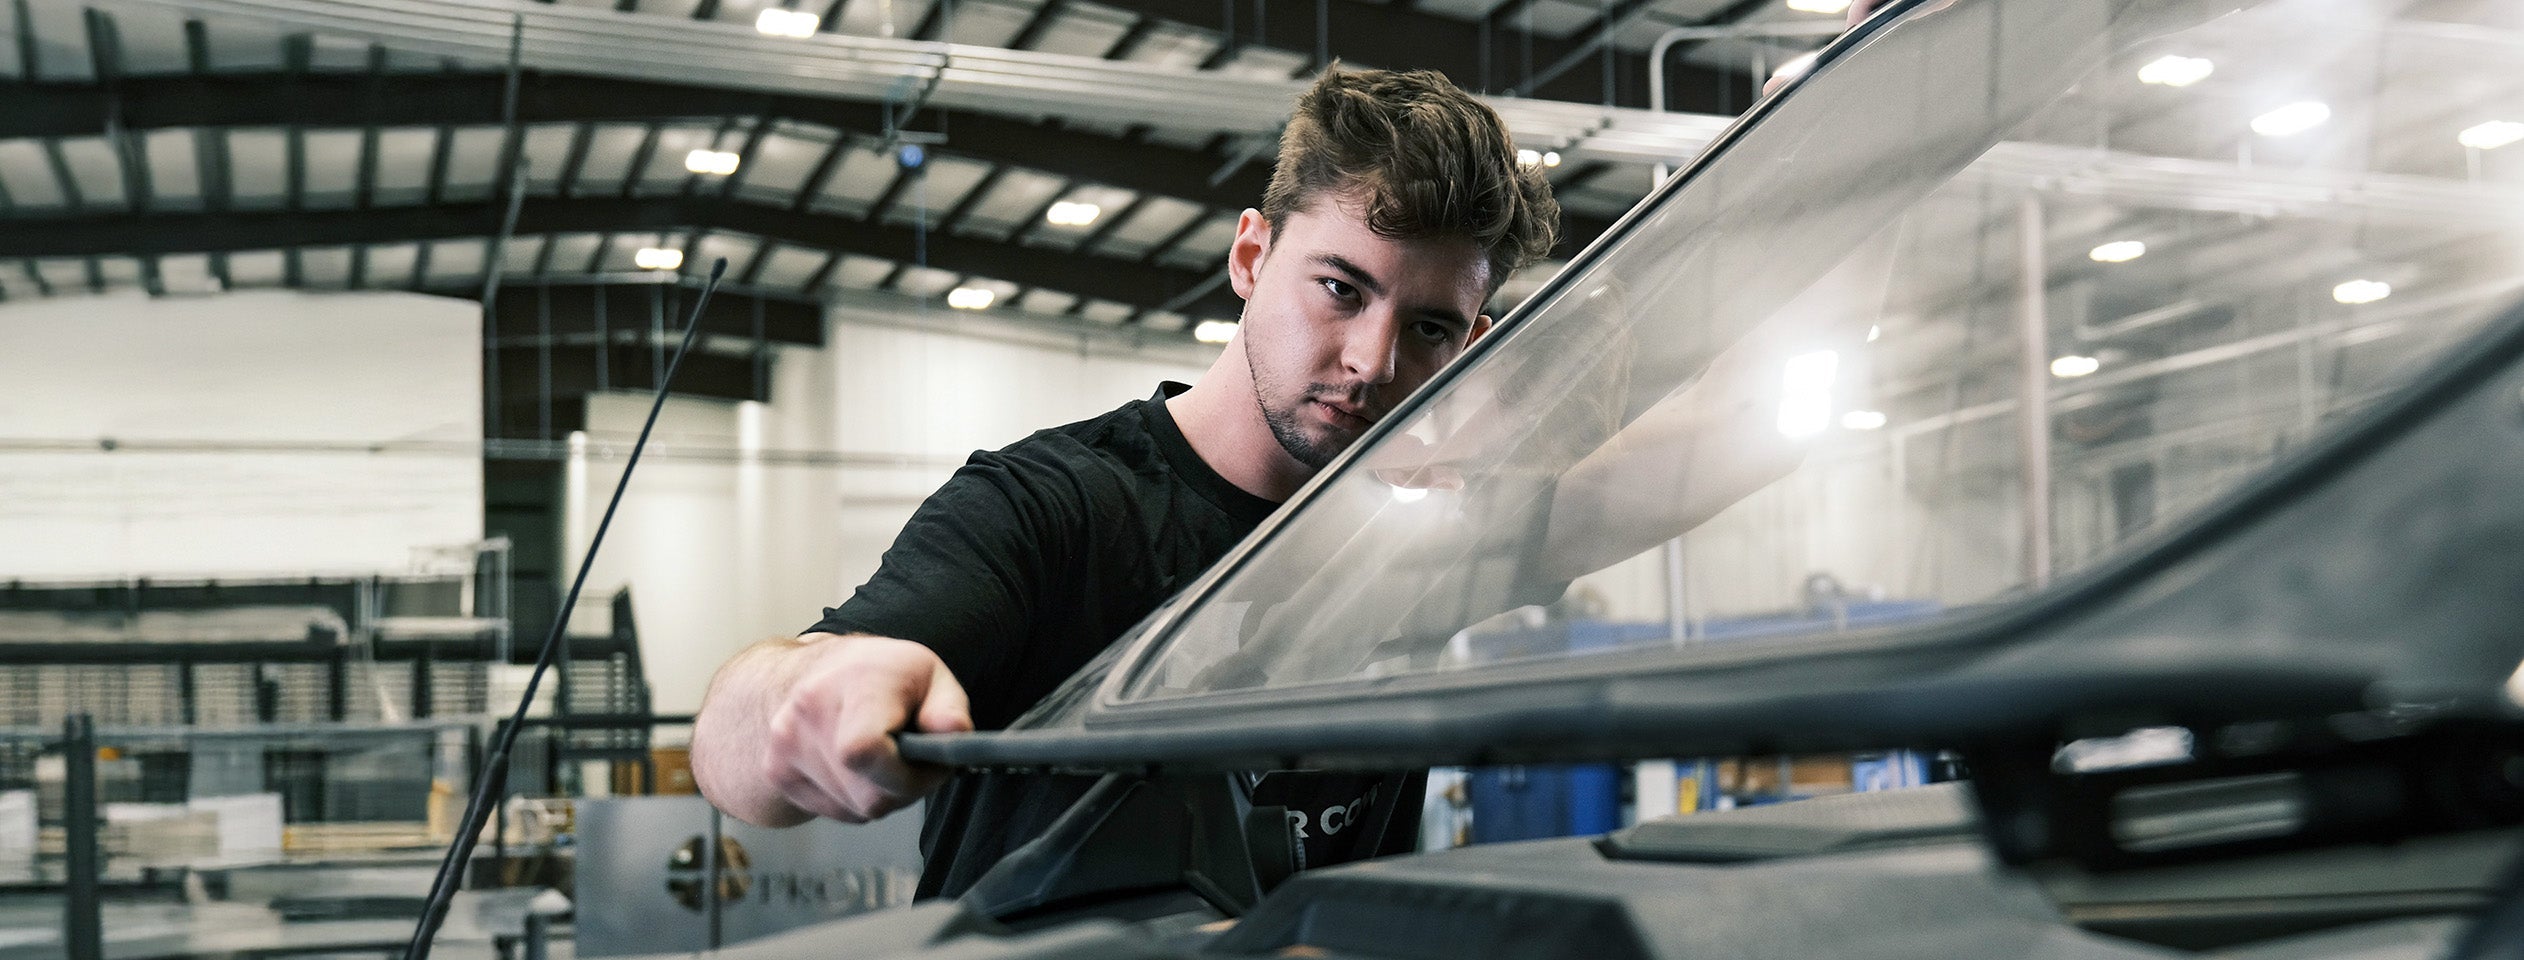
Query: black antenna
[494, 770]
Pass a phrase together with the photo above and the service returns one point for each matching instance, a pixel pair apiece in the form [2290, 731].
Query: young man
[1396, 210]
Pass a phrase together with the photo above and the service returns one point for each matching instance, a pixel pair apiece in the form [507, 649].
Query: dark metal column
[82, 927]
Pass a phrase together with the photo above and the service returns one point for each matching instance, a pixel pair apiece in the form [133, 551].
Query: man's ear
[1244, 255]
[1480, 326]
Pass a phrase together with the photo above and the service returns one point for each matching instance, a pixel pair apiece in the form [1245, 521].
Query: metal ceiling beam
[450, 100]
[1390, 36]
[1145, 285]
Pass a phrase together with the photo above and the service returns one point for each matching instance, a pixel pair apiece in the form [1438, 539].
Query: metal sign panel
[647, 869]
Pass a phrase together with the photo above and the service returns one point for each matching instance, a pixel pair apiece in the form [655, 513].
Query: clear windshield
[1992, 297]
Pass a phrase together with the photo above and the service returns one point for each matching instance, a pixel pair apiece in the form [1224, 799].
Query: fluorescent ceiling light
[2172, 70]
[1528, 158]
[1818, 6]
[657, 258]
[2118, 251]
[1410, 494]
[2361, 291]
[970, 298]
[1805, 402]
[1214, 331]
[2075, 366]
[1067, 214]
[787, 23]
[1862, 419]
[2293, 119]
[716, 162]
[2492, 135]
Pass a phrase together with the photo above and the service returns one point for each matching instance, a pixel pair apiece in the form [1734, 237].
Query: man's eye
[1433, 331]
[1338, 289]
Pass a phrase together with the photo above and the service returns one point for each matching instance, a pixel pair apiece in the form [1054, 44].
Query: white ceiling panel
[665, 172]
[1010, 203]
[780, 164]
[119, 273]
[332, 176]
[572, 253]
[1046, 302]
[925, 282]
[473, 162]
[340, 54]
[174, 169]
[986, 23]
[738, 249]
[1158, 320]
[391, 265]
[453, 262]
[946, 181]
[1174, 46]
[1265, 63]
[60, 40]
[881, 18]
[242, 45]
[255, 268]
[326, 268]
[1206, 246]
[679, 9]
[182, 273]
[547, 152]
[27, 174]
[609, 157]
[1085, 30]
[1554, 18]
[152, 41]
[258, 167]
[65, 274]
[788, 266]
[1106, 311]
[403, 160]
[518, 260]
[96, 169]
[1156, 220]
[861, 273]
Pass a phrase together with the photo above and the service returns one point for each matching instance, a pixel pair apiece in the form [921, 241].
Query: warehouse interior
[327, 328]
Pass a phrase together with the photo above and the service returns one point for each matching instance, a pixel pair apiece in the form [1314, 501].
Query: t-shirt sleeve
[968, 575]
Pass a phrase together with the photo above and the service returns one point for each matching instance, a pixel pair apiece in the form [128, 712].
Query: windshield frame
[1108, 702]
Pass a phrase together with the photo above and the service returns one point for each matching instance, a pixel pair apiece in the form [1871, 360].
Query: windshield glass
[2000, 290]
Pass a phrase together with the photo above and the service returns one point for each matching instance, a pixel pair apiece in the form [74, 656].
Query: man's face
[1340, 324]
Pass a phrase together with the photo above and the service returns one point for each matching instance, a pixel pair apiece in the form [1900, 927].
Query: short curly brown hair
[1427, 158]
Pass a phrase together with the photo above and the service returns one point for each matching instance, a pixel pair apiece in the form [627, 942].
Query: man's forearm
[727, 735]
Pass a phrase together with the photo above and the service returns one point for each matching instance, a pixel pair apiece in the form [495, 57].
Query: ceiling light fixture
[1818, 6]
[1215, 331]
[2173, 70]
[712, 162]
[2118, 251]
[787, 23]
[657, 258]
[1528, 158]
[2356, 292]
[1551, 158]
[1069, 214]
[970, 298]
[2492, 135]
[2074, 365]
[2293, 119]
[1862, 419]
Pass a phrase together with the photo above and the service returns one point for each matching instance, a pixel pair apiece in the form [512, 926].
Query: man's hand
[795, 729]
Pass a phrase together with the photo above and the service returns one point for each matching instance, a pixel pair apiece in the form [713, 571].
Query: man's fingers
[944, 708]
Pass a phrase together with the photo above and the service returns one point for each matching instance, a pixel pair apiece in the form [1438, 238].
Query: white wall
[722, 552]
[243, 422]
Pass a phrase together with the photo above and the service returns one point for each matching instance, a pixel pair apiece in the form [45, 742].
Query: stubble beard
[1292, 436]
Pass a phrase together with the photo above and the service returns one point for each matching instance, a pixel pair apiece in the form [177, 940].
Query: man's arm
[794, 729]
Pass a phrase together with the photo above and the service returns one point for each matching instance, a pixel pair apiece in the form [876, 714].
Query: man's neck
[1223, 422]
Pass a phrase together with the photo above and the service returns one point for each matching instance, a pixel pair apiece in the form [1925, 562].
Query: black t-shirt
[1029, 562]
